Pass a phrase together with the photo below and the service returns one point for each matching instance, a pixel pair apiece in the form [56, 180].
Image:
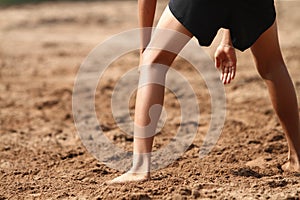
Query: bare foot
[130, 177]
[139, 172]
[291, 166]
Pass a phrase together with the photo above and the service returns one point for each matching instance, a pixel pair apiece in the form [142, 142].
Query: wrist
[226, 40]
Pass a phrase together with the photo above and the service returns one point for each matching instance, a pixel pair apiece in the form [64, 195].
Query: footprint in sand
[258, 162]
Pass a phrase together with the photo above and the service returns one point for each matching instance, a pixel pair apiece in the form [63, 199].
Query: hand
[225, 61]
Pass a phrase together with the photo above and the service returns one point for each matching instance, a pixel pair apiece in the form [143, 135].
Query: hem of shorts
[242, 49]
[258, 35]
[180, 19]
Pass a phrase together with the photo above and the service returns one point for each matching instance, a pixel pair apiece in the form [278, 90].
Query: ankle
[141, 163]
[294, 157]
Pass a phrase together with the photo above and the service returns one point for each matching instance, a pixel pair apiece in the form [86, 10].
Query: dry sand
[41, 49]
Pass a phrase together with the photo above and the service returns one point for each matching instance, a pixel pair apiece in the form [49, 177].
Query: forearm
[226, 40]
[146, 18]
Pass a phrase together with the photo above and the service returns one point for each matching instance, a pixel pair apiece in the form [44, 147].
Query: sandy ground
[41, 49]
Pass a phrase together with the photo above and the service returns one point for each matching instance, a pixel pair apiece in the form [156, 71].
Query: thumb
[217, 62]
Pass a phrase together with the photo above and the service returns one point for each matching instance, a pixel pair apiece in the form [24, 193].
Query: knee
[270, 70]
[153, 68]
[153, 73]
[151, 56]
[264, 70]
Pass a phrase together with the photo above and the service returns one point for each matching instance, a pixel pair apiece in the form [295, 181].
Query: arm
[225, 58]
[146, 18]
[226, 40]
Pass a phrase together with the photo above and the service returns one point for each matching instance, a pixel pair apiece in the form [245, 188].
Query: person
[246, 24]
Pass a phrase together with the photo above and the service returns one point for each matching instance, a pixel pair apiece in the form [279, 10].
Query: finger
[225, 75]
[217, 62]
[229, 75]
[227, 72]
[233, 72]
[221, 68]
[222, 73]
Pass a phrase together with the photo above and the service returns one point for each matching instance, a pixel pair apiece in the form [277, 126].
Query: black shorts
[246, 19]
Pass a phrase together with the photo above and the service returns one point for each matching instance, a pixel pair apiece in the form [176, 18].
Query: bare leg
[271, 67]
[150, 95]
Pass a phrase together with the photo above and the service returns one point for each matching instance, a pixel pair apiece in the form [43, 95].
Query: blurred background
[42, 45]
[11, 2]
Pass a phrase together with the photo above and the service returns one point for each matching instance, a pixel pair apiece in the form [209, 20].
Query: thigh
[168, 21]
[168, 39]
[266, 52]
[203, 18]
